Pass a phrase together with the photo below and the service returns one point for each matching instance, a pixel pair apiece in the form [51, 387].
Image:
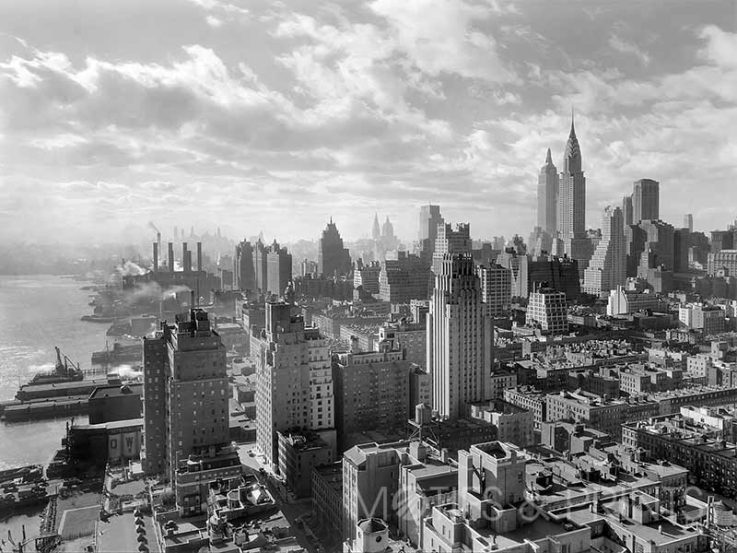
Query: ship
[22, 487]
[64, 371]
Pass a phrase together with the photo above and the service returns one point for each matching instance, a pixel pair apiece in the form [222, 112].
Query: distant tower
[430, 218]
[376, 230]
[688, 221]
[572, 204]
[645, 200]
[459, 338]
[547, 196]
[387, 229]
[332, 257]
[627, 210]
[608, 266]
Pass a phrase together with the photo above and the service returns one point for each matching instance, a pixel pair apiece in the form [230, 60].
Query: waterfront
[37, 313]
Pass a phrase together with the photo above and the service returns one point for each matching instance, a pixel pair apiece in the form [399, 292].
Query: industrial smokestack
[158, 241]
[199, 256]
[186, 267]
[156, 257]
[171, 257]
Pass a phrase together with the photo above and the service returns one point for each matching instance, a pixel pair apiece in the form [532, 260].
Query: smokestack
[184, 258]
[171, 257]
[158, 241]
[199, 256]
[156, 257]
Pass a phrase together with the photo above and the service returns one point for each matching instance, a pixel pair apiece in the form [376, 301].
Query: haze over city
[114, 114]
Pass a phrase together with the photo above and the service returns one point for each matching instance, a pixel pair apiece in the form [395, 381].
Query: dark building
[244, 274]
[559, 273]
[645, 200]
[186, 426]
[115, 403]
[332, 258]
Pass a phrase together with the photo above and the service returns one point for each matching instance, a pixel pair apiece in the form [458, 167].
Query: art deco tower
[572, 204]
[459, 338]
[608, 266]
[547, 196]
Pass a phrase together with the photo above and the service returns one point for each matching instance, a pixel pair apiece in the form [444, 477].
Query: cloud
[625, 47]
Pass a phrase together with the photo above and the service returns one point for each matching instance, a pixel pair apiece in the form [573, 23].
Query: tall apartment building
[278, 269]
[450, 241]
[547, 197]
[548, 311]
[608, 266]
[410, 338]
[459, 338]
[571, 216]
[185, 408]
[260, 266]
[404, 279]
[496, 289]
[371, 391]
[294, 382]
[367, 277]
[430, 219]
[332, 257]
[645, 200]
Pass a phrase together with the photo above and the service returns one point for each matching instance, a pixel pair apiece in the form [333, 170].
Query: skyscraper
[608, 266]
[430, 218]
[186, 409]
[244, 274]
[547, 196]
[332, 257]
[627, 210]
[376, 228]
[688, 221]
[451, 240]
[571, 217]
[459, 338]
[645, 200]
[294, 383]
[278, 269]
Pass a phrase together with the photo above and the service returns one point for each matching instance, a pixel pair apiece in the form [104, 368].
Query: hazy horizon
[274, 117]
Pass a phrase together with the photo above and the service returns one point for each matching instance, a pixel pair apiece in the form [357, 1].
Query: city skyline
[329, 110]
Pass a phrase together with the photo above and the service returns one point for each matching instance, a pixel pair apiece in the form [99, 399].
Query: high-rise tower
[572, 204]
[547, 196]
[645, 200]
[608, 266]
[459, 338]
[332, 257]
[294, 380]
[185, 409]
[430, 218]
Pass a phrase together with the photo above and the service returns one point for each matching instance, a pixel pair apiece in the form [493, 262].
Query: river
[37, 313]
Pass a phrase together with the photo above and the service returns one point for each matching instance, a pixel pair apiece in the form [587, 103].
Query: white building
[294, 383]
[547, 310]
[496, 289]
[607, 268]
[459, 338]
[625, 302]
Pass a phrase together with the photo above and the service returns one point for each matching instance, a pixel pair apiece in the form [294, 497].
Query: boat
[97, 319]
[64, 371]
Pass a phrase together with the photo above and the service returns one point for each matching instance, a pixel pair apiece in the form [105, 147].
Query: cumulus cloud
[352, 106]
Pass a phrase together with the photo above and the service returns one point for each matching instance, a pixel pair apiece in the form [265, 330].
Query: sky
[274, 116]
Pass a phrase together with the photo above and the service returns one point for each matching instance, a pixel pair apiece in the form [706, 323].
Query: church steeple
[572, 159]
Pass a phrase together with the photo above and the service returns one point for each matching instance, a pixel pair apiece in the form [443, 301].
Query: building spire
[573, 128]
[549, 158]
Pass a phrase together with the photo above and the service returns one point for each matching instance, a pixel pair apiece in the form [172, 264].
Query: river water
[37, 313]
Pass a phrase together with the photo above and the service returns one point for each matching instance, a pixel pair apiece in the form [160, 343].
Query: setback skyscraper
[332, 258]
[547, 196]
[459, 338]
[430, 218]
[572, 204]
[608, 266]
